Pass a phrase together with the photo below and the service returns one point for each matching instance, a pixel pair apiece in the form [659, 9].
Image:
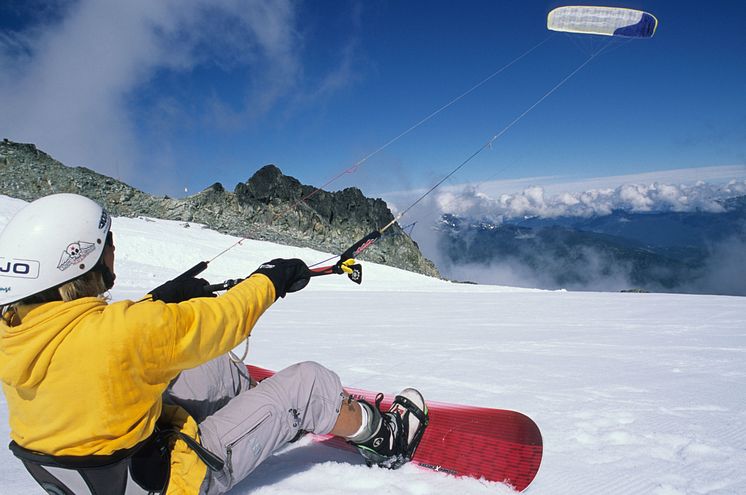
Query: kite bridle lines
[346, 259]
[356, 166]
[346, 263]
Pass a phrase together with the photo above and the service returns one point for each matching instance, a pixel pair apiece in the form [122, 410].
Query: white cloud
[65, 86]
[551, 196]
[638, 198]
[554, 184]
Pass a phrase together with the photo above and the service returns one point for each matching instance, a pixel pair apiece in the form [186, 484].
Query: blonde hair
[90, 284]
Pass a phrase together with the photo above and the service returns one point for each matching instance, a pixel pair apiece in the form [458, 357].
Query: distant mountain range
[695, 230]
[668, 251]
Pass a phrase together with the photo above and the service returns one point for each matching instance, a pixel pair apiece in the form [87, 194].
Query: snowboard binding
[399, 430]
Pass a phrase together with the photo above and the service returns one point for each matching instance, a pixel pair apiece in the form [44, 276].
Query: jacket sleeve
[170, 338]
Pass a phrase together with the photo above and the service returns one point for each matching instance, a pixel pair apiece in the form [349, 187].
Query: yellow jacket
[85, 377]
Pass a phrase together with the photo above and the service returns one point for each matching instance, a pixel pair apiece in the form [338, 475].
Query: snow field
[634, 393]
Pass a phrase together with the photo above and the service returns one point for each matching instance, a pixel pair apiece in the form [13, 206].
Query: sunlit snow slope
[634, 393]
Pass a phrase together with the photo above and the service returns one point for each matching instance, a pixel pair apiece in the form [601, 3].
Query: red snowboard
[478, 442]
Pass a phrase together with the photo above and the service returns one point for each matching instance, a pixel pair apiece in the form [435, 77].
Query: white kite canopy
[607, 21]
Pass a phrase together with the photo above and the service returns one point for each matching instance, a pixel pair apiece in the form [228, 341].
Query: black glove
[286, 275]
[179, 290]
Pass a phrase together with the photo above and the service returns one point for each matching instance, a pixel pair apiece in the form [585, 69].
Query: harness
[141, 470]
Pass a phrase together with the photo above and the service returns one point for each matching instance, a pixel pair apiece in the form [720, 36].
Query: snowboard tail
[478, 442]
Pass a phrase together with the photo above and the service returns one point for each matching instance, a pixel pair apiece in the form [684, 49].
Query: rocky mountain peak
[268, 206]
[269, 184]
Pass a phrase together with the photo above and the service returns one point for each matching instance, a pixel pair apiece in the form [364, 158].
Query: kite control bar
[353, 270]
[345, 265]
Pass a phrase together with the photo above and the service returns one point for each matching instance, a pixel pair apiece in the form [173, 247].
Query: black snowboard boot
[395, 433]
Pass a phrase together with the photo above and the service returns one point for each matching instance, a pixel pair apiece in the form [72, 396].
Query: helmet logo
[104, 220]
[19, 268]
[74, 253]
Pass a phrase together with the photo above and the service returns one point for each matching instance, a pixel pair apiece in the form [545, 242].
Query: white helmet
[49, 242]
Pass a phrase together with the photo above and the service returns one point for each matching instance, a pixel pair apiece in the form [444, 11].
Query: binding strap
[418, 413]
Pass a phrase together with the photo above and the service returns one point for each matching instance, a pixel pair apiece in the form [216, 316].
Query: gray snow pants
[244, 425]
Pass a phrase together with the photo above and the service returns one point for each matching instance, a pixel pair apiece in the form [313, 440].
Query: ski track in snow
[634, 393]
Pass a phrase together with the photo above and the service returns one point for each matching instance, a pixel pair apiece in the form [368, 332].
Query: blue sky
[176, 95]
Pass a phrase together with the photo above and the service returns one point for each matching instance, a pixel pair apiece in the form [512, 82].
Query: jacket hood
[27, 349]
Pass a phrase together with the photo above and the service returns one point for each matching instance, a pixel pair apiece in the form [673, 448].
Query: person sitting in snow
[142, 397]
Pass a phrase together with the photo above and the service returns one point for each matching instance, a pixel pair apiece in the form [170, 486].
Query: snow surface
[634, 393]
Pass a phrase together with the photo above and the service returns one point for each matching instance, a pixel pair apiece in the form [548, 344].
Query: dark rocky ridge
[265, 207]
